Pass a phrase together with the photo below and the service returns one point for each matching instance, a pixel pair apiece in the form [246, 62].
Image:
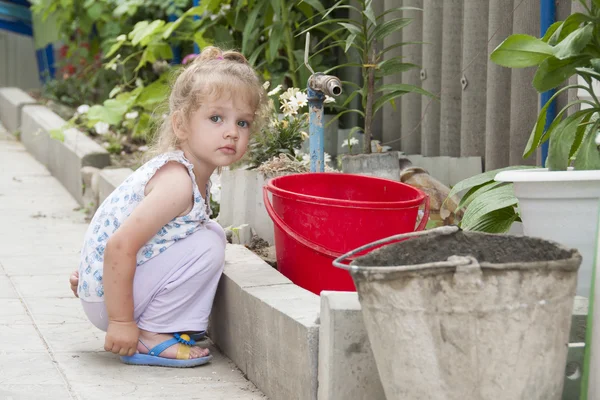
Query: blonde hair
[212, 73]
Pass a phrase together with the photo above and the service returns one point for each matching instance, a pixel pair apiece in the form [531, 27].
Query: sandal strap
[159, 348]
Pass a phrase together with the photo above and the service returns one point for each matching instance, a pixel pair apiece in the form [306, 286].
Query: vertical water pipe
[547, 18]
[196, 3]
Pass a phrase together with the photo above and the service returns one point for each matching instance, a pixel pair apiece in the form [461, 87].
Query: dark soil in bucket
[496, 249]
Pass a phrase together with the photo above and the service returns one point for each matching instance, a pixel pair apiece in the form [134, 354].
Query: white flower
[329, 99]
[288, 94]
[289, 108]
[214, 16]
[101, 128]
[350, 142]
[302, 99]
[83, 109]
[113, 67]
[132, 115]
[275, 91]
[226, 7]
[143, 148]
[306, 159]
[139, 82]
[266, 85]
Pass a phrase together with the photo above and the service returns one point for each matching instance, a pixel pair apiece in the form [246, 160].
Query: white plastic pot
[562, 206]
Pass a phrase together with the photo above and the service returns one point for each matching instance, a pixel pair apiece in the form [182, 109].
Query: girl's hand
[122, 338]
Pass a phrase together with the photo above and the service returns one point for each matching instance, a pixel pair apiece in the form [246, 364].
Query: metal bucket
[488, 320]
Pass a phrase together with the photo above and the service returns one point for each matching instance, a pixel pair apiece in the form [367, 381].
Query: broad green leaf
[550, 31]
[552, 72]
[476, 191]
[394, 66]
[141, 130]
[405, 87]
[388, 97]
[591, 73]
[349, 42]
[198, 10]
[142, 35]
[115, 47]
[370, 15]
[336, 21]
[520, 51]
[316, 4]
[583, 127]
[250, 25]
[57, 134]
[595, 64]
[254, 56]
[569, 25]
[171, 26]
[481, 179]
[385, 29]
[352, 28]
[161, 50]
[114, 92]
[572, 45]
[351, 97]
[200, 40]
[538, 129]
[111, 115]
[275, 40]
[396, 45]
[153, 94]
[498, 221]
[492, 200]
[561, 141]
[95, 11]
[340, 114]
[588, 156]
[276, 5]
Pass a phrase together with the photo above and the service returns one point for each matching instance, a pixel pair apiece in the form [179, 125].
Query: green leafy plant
[362, 38]
[569, 48]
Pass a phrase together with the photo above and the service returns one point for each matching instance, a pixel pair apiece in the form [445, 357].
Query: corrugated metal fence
[484, 110]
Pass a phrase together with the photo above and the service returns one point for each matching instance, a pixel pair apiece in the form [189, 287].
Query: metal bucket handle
[443, 230]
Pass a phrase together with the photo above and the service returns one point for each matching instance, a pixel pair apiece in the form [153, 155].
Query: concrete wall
[485, 110]
[18, 64]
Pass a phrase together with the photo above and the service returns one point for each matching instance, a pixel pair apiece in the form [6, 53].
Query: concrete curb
[12, 101]
[64, 159]
[268, 326]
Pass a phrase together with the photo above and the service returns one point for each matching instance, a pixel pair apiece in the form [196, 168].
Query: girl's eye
[215, 118]
[244, 124]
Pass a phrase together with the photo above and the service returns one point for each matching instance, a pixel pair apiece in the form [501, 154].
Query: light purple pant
[174, 291]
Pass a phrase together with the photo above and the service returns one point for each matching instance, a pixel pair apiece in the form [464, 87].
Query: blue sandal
[182, 359]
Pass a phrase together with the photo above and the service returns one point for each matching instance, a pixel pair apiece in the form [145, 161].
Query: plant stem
[369, 106]
[369, 77]
[289, 45]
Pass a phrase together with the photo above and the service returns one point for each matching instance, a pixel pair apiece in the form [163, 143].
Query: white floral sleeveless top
[115, 210]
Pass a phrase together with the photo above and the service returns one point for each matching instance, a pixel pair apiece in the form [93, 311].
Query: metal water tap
[319, 85]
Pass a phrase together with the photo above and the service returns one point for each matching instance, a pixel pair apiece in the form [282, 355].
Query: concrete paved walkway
[48, 349]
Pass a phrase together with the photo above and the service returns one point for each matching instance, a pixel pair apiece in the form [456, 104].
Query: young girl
[152, 258]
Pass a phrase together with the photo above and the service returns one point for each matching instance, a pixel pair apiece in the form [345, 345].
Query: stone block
[242, 202]
[242, 234]
[267, 326]
[347, 367]
[383, 165]
[109, 179]
[63, 158]
[12, 101]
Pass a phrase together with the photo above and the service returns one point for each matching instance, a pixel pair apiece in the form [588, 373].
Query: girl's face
[218, 132]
